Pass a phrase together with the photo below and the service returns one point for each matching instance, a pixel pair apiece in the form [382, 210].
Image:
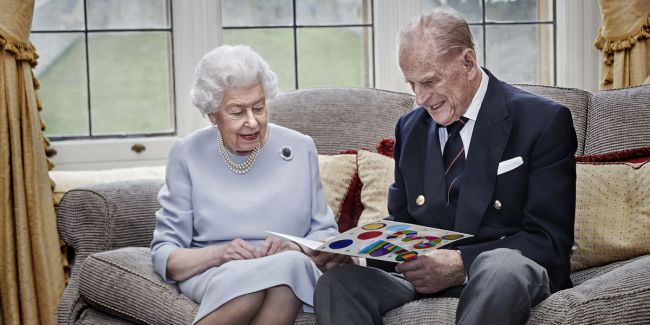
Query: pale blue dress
[204, 203]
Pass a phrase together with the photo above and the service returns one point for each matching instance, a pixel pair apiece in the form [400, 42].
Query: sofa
[108, 227]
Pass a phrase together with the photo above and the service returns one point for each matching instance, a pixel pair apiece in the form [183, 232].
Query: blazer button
[420, 200]
[497, 205]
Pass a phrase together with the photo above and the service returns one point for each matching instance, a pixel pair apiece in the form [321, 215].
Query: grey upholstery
[341, 118]
[619, 119]
[574, 99]
[110, 226]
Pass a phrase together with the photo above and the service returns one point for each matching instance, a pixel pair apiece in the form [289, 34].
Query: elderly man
[478, 156]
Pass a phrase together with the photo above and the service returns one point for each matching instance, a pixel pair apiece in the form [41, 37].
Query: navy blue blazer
[537, 198]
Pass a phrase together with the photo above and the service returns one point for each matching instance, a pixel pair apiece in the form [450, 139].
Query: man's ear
[469, 59]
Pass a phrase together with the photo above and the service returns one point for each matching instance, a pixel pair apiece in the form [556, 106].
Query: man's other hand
[435, 271]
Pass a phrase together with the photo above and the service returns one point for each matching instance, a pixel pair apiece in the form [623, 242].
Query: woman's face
[242, 118]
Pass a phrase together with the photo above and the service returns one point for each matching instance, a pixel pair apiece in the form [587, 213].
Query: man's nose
[421, 95]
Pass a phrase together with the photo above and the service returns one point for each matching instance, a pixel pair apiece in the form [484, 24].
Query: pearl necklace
[237, 168]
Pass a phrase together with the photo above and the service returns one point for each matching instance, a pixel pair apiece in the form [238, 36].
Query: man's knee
[506, 264]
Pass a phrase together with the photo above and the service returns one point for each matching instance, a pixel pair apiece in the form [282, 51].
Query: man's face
[441, 85]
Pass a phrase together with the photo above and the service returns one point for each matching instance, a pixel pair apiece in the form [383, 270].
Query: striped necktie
[453, 161]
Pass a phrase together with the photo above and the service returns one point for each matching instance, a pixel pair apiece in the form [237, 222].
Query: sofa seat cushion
[619, 296]
[123, 282]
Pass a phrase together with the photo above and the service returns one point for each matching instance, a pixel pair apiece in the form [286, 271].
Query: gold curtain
[31, 274]
[624, 40]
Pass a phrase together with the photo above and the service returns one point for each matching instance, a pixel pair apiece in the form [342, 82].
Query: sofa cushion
[619, 296]
[340, 118]
[612, 213]
[123, 282]
[377, 174]
[618, 120]
[336, 174]
[576, 100]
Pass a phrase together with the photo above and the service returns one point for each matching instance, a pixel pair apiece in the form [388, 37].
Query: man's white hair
[225, 67]
[443, 29]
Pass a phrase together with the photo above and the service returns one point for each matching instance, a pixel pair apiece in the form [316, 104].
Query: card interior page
[390, 241]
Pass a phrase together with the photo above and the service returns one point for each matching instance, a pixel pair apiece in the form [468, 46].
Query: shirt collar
[475, 105]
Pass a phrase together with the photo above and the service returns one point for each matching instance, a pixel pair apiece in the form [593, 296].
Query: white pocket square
[510, 164]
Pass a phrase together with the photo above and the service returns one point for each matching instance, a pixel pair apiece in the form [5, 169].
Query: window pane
[58, 15]
[274, 45]
[333, 12]
[61, 70]
[519, 10]
[521, 53]
[338, 57]
[477, 37]
[130, 82]
[468, 9]
[126, 14]
[256, 13]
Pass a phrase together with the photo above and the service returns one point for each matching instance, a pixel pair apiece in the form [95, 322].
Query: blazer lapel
[489, 140]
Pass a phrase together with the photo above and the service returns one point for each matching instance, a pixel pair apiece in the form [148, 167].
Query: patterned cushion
[336, 173]
[618, 120]
[377, 174]
[612, 213]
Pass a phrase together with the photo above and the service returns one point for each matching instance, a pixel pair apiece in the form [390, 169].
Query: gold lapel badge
[420, 200]
[497, 205]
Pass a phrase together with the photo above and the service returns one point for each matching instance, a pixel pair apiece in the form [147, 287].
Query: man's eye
[239, 113]
[258, 109]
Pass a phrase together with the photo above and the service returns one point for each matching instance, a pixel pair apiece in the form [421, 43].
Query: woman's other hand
[238, 249]
[327, 261]
[273, 245]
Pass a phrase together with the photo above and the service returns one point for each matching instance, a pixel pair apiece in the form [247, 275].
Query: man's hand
[435, 271]
[328, 261]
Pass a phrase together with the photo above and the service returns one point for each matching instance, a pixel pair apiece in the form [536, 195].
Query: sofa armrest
[619, 296]
[123, 282]
[109, 216]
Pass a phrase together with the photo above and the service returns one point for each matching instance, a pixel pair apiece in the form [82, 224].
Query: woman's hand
[327, 261]
[273, 245]
[238, 249]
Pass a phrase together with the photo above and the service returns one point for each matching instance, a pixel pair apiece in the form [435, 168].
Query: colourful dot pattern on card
[369, 235]
[374, 226]
[380, 248]
[343, 243]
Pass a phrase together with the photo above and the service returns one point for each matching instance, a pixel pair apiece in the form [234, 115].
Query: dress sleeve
[174, 220]
[323, 224]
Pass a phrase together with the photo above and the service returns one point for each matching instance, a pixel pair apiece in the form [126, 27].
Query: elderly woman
[226, 186]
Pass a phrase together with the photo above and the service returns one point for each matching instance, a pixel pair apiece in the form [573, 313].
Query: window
[105, 67]
[515, 38]
[308, 43]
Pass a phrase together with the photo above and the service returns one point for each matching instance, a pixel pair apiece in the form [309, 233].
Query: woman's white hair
[226, 67]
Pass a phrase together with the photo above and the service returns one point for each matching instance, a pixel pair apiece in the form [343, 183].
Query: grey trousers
[503, 286]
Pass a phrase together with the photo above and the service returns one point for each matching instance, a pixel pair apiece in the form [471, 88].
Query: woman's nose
[250, 119]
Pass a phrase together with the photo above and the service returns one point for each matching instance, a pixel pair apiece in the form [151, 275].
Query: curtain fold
[31, 273]
[624, 40]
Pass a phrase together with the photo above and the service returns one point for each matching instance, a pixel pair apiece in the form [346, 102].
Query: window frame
[197, 30]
